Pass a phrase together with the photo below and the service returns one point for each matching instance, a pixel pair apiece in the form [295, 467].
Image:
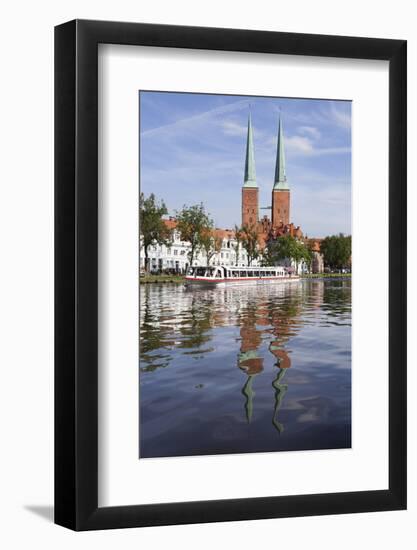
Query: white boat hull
[210, 282]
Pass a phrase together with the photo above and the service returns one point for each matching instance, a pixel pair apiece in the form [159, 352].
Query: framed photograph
[230, 244]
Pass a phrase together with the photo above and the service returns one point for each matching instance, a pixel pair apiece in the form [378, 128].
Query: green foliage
[194, 224]
[210, 244]
[238, 239]
[152, 226]
[150, 278]
[337, 250]
[287, 247]
[249, 240]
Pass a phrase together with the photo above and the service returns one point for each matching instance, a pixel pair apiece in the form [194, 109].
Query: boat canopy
[237, 271]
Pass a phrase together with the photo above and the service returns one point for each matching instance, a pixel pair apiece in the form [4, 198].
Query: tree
[287, 248]
[336, 250]
[310, 251]
[249, 239]
[211, 245]
[193, 223]
[302, 253]
[238, 239]
[152, 226]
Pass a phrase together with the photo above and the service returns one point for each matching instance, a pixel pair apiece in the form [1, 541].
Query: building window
[175, 252]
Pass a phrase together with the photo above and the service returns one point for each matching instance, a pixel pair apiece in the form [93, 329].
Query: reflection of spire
[280, 391]
[283, 363]
[248, 393]
[252, 365]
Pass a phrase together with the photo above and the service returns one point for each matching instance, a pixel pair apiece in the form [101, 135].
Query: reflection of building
[251, 360]
[175, 256]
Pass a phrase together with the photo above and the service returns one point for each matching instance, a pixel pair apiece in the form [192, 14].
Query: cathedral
[174, 257]
[279, 223]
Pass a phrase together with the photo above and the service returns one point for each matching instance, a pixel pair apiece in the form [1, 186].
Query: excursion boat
[227, 275]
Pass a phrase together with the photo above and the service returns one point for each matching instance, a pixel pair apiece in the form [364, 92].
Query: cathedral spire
[250, 173]
[280, 181]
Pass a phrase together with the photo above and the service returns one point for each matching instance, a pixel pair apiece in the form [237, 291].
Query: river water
[250, 368]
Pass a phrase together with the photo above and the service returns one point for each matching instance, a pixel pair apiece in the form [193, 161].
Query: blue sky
[192, 150]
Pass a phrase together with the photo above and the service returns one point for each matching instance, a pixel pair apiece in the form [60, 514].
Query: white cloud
[231, 128]
[340, 116]
[299, 144]
[331, 113]
[312, 131]
[190, 122]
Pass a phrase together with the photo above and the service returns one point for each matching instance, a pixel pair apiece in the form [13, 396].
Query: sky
[192, 150]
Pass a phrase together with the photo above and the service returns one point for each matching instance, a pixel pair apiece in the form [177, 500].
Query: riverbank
[147, 279]
[326, 275]
[178, 279]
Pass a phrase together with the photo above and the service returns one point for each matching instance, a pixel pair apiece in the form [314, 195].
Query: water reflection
[192, 400]
[280, 391]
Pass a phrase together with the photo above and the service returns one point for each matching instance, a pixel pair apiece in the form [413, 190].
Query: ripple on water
[245, 369]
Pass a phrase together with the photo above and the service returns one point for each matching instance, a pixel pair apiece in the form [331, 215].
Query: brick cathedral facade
[279, 223]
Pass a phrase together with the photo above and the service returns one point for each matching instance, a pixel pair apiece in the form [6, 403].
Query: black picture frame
[76, 274]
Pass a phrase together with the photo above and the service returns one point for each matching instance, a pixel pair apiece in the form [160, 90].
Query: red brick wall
[250, 206]
[280, 208]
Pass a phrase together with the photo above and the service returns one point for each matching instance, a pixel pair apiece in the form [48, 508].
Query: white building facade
[175, 256]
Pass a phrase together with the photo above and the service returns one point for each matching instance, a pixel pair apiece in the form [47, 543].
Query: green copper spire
[250, 173]
[280, 181]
